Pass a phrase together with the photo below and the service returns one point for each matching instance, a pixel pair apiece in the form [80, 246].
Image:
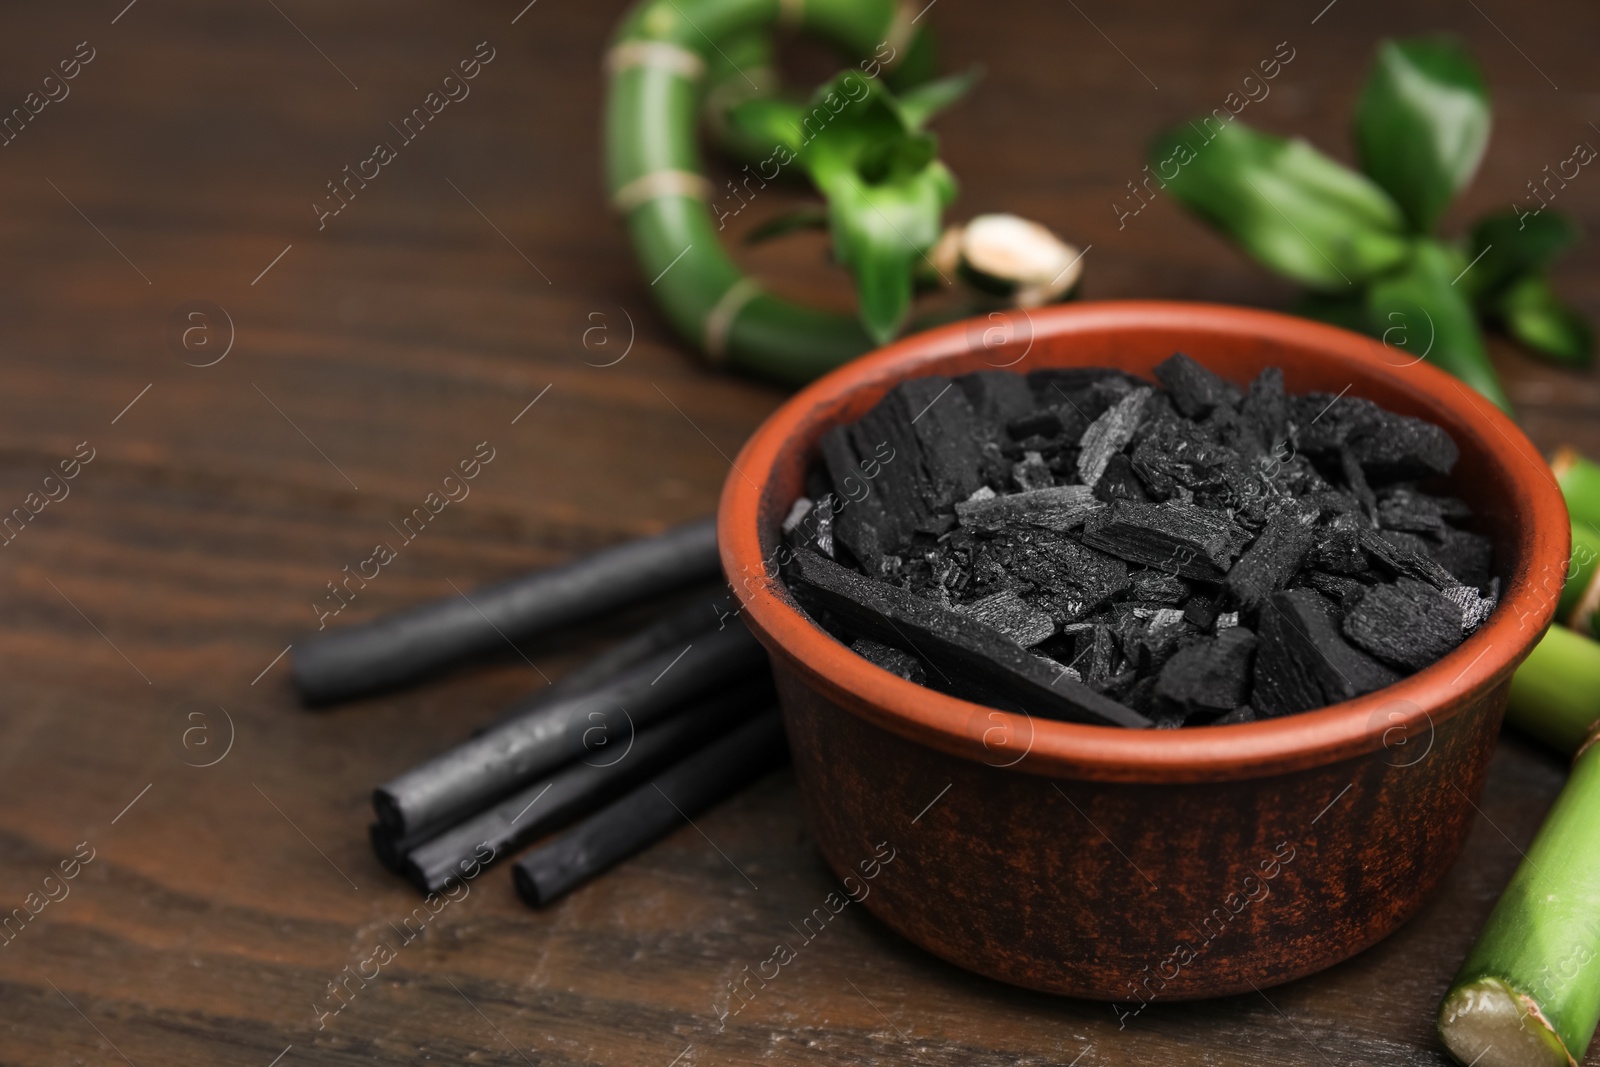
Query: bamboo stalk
[1528, 994]
[1579, 479]
[1579, 606]
[657, 62]
[1555, 694]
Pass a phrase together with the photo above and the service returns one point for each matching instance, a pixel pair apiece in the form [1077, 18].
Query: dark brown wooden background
[420, 322]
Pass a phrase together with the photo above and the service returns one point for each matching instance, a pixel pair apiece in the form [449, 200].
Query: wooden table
[370, 355]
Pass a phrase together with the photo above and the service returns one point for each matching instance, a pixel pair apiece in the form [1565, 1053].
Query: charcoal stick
[396, 649]
[650, 812]
[480, 771]
[602, 774]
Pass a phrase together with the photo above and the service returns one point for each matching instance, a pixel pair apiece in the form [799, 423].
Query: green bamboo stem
[658, 63]
[1528, 994]
[1579, 606]
[1579, 479]
[1555, 694]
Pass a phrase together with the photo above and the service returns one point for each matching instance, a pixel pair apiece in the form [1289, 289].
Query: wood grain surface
[372, 354]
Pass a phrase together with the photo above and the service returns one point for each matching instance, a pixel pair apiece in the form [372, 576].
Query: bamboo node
[659, 183]
[657, 55]
[719, 320]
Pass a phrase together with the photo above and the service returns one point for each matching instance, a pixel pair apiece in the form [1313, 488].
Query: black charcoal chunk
[1475, 606]
[1407, 625]
[1202, 612]
[1157, 587]
[1387, 445]
[983, 655]
[1176, 455]
[1340, 588]
[948, 431]
[1012, 616]
[893, 660]
[1182, 539]
[1110, 434]
[1097, 387]
[861, 525]
[1212, 675]
[1274, 557]
[1194, 390]
[1263, 421]
[1401, 507]
[1033, 473]
[1465, 555]
[1389, 548]
[1060, 507]
[1065, 579]
[1120, 482]
[1304, 662]
[997, 396]
[1337, 546]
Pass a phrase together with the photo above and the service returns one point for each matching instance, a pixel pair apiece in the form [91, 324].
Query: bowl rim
[1396, 715]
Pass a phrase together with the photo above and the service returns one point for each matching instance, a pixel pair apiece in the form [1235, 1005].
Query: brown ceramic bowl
[1129, 865]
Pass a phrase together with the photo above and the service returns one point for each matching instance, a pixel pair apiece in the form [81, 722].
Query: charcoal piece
[1157, 587]
[1227, 620]
[861, 524]
[1242, 714]
[1355, 479]
[1202, 612]
[1032, 473]
[1097, 656]
[1109, 434]
[1405, 554]
[1303, 660]
[1336, 546]
[1388, 446]
[1194, 390]
[997, 396]
[950, 435]
[1120, 482]
[1475, 607]
[891, 467]
[1182, 539]
[1263, 422]
[1408, 624]
[1175, 453]
[893, 660]
[1040, 422]
[1012, 616]
[1330, 502]
[1067, 580]
[1274, 557]
[963, 646]
[1340, 588]
[1465, 555]
[1161, 636]
[1087, 387]
[1212, 675]
[1060, 507]
[1058, 669]
[1401, 507]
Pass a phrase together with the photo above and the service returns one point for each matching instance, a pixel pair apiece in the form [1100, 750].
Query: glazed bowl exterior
[1127, 865]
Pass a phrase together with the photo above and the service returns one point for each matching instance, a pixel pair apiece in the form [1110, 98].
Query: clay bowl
[1131, 865]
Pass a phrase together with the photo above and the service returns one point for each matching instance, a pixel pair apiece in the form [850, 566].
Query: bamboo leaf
[1285, 203]
[1508, 247]
[764, 120]
[1534, 315]
[1422, 124]
[919, 105]
[1421, 315]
